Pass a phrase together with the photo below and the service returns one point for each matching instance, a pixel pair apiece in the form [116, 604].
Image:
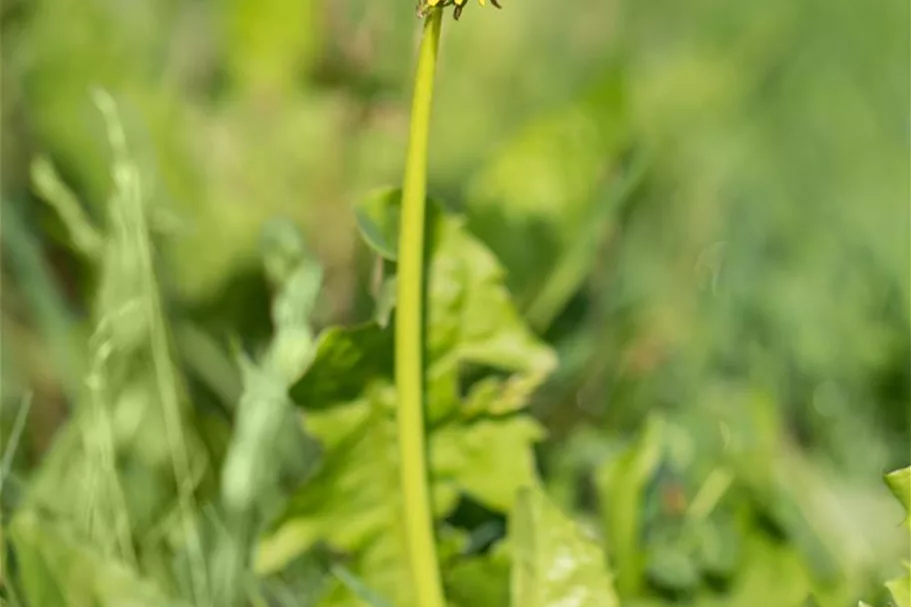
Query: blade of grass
[18, 426]
[409, 368]
[5, 467]
[48, 184]
[131, 212]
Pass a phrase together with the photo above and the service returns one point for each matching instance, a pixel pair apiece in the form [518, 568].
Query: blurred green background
[703, 206]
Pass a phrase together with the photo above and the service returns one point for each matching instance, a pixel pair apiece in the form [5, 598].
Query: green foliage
[131, 417]
[699, 209]
[479, 446]
[60, 571]
[554, 562]
[621, 484]
[899, 482]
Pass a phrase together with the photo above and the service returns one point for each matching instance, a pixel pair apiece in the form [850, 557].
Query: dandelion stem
[409, 332]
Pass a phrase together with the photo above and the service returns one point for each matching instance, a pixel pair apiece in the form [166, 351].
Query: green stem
[408, 332]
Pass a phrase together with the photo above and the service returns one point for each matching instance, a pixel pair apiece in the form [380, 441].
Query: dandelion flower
[423, 5]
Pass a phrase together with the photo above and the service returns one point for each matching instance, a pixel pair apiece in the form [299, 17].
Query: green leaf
[670, 564]
[899, 482]
[378, 221]
[479, 581]
[621, 482]
[284, 250]
[346, 360]
[901, 590]
[481, 448]
[772, 574]
[490, 460]
[470, 321]
[471, 316]
[265, 423]
[55, 568]
[349, 502]
[718, 549]
[358, 588]
[252, 462]
[554, 563]
[299, 277]
[385, 301]
[353, 501]
[48, 184]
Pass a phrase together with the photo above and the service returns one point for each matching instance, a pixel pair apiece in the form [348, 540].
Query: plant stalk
[409, 369]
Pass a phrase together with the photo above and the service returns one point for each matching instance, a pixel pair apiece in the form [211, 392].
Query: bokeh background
[703, 206]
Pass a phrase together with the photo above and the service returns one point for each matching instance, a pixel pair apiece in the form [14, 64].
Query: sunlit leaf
[481, 448]
[489, 459]
[554, 563]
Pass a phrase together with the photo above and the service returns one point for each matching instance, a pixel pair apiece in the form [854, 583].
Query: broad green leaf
[482, 448]
[490, 459]
[58, 569]
[471, 317]
[470, 321]
[479, 581]
[554, 563]
[353, 501]
[346, 361]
